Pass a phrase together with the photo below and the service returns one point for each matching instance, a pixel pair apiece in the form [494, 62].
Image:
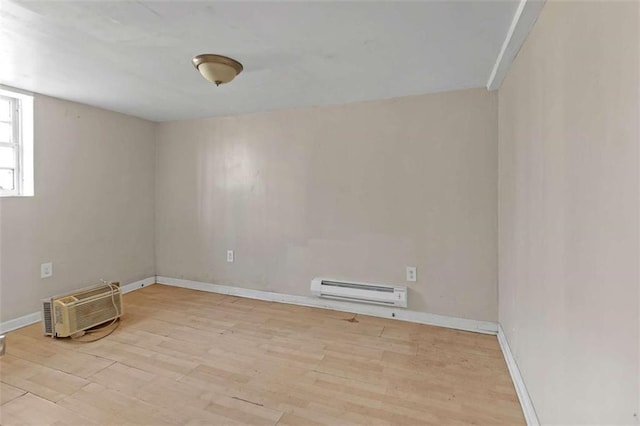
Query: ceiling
[135, 57]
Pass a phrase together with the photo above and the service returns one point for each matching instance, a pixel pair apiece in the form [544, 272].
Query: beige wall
[92, 215]
[569, 213]
[356, 191]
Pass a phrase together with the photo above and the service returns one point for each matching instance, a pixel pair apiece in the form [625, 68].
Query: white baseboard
[523, 395]
[35, 317]
[138, 284]
[20, 322]
[485, 327]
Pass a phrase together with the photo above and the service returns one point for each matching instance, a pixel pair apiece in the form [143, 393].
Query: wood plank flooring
[187, 357]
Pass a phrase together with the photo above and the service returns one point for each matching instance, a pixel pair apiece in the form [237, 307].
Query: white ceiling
[135, 57]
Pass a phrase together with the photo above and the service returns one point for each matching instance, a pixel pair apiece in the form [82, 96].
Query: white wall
[569, 212]
[93, 212]
[356, 191]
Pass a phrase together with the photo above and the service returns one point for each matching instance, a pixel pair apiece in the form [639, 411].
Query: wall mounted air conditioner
[360, 292]
[85, 308]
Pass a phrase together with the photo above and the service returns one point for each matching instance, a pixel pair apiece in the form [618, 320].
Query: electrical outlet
[46, 270]
[229, 255]
[412, 273]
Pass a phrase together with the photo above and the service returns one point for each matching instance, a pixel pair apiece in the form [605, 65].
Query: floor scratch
[246, 400]
[351, 319]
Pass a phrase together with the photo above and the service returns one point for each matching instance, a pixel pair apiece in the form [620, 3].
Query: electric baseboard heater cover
[352, 291]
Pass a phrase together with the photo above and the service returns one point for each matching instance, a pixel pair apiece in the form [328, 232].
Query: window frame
[16, 144]
[22, 120]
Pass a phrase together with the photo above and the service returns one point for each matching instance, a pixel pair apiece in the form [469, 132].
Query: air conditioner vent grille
[89, 294]
[89, 314]
[46, 317]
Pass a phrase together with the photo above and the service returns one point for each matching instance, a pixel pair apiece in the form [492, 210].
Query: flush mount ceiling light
[217, 69]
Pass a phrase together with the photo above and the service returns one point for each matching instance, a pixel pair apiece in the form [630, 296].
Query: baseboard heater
[377, 294]
[71, 313]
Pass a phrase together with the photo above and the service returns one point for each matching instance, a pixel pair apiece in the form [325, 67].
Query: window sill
[17, 195]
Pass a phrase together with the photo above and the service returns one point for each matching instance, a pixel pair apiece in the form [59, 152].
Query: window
[16, 144]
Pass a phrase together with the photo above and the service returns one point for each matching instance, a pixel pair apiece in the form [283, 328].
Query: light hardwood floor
[187, 357]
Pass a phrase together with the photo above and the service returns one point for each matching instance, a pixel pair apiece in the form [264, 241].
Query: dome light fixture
[217, 69]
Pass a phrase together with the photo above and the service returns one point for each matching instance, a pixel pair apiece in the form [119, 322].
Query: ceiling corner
[523, 21]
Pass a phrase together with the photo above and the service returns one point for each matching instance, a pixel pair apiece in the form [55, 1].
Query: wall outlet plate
[229, 255]
[46, 270]
[412, 273]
